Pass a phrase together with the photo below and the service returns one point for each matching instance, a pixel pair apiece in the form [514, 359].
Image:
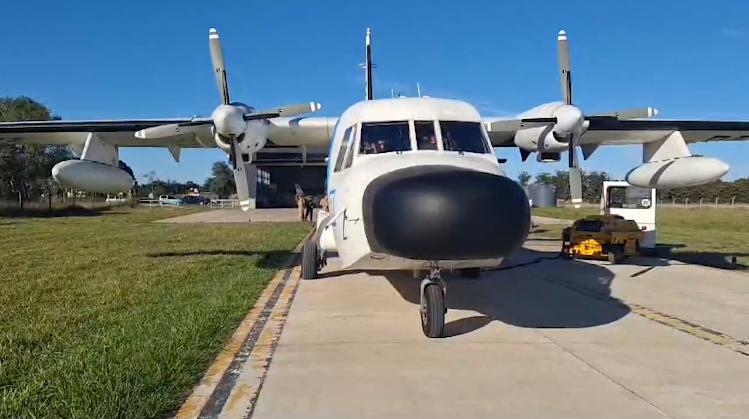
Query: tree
[523, 178]
[25, 169]
[593, 187]
[221, 181]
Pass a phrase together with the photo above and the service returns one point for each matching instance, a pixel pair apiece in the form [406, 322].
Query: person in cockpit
[427, 142]
[378, 146]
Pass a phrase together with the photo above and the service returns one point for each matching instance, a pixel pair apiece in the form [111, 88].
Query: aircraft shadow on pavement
[555, 294]
[721, 260]
[268, 259]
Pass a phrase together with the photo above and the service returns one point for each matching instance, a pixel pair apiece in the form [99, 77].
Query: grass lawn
[110, 315]
[703, 236]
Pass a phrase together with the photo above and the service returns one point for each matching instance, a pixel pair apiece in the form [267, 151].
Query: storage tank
[542, 196]
[527, 194]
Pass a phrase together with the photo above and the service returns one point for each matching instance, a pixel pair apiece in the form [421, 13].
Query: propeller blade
[631, 113]
[564, 68]
[576, 187]
[518, 124]
[287, 110]
[217, 56]
[240, 176]
[170, 130]
[234, 153]
[243, 187]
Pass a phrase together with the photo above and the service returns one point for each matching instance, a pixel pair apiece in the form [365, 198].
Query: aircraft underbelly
[376, 261]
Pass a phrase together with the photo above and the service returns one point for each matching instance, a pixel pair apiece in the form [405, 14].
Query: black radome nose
[445, 213]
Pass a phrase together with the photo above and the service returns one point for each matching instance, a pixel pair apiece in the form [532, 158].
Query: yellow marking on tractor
[608, 236]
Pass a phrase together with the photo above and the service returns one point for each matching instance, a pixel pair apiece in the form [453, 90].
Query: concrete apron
[554, 339]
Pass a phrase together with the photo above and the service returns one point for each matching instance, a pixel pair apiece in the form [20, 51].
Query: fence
[700, 203]
[215, 203]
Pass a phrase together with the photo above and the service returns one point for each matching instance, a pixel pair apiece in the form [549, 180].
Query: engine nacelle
[677, 173]
[92, 176]
[253, 139]
[539, 138]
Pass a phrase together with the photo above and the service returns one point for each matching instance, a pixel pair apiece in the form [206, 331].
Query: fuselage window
[384, 137]
[463, 136]
[342, 150]
[426, 139]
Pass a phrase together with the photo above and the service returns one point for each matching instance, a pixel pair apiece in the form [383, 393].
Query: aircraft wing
[635, 131]
[116, 132]
[612, 131]
[499, 136]
[288, 131]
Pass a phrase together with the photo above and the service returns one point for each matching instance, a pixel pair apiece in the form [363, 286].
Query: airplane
[412, 183]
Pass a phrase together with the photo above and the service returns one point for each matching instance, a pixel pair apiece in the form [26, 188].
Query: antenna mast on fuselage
[368, 66]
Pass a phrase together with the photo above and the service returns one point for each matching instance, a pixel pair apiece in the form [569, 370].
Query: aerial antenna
[368, 66]
[418, 88]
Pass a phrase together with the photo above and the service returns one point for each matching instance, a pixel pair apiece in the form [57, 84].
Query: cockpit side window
[426, 138]
[464, 136]
[342, 150]
[384, 137]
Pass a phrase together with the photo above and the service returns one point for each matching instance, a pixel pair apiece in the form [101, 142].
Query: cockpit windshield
[463, 136]
[384, 137]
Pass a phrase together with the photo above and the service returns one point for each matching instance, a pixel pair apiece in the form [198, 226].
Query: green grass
[110, 315]
[704, 236]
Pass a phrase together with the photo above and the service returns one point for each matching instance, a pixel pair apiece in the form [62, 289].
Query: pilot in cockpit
[427, 142]
[378, 146]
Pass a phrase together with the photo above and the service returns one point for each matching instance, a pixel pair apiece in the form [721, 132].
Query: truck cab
[632, 203]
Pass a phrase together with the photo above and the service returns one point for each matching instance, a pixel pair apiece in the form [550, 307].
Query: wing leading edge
[309, 131]
[612, 131]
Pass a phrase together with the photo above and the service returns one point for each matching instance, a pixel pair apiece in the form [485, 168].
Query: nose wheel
[312, 260]
[432, 304]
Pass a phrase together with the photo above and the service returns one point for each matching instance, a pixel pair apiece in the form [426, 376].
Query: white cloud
[733, 32]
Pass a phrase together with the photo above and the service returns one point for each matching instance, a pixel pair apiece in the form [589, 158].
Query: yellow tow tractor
[596, 236]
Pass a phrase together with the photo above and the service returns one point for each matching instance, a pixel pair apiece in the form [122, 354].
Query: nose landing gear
[432, 303]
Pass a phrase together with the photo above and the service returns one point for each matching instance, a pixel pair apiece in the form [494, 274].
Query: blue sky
[138, 59]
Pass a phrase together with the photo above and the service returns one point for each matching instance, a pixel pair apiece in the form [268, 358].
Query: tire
[470, 273]
[433, 311]
[309, 260]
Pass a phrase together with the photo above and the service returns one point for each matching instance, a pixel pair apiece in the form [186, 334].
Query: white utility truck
[632, 203]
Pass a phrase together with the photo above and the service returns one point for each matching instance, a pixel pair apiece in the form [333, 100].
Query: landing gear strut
[432, 304]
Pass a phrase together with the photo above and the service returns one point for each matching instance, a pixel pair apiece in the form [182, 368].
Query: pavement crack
[603, 374]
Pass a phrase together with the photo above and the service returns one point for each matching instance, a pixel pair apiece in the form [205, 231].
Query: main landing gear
[432, 303]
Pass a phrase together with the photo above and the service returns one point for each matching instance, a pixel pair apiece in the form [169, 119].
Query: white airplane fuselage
[399, 210]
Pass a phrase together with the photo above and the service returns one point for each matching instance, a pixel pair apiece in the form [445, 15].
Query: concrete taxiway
[546, 338]
[261, 215]
[264, 215]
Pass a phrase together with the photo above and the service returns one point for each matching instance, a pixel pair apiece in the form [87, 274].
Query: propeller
[575, 117]
[571, 119]
[229, 120]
